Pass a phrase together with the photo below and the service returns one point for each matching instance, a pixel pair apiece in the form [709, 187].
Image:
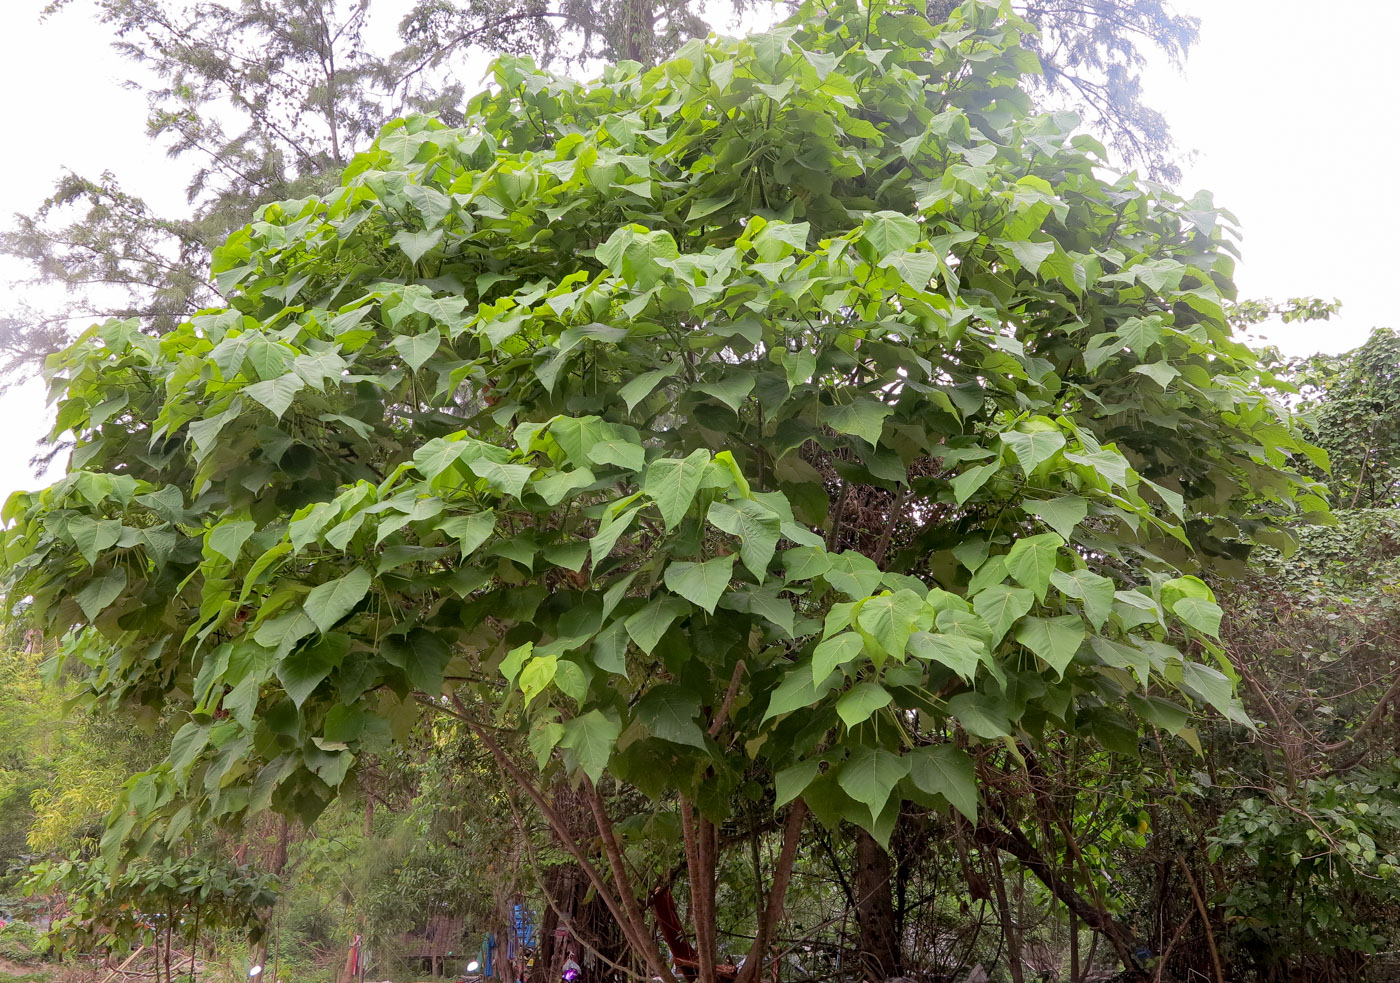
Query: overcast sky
[1286, 108]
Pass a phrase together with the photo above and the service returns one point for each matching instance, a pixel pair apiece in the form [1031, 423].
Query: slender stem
[699, 889]
[782, 875]
[561, 829]
[633, 910]
[1205, 918]
[729, 696]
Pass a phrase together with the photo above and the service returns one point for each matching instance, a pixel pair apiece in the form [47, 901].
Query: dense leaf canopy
[581, 397]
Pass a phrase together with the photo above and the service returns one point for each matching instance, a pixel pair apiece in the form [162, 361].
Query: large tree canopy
[802, 409]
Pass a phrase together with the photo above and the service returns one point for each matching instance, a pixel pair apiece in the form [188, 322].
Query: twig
[1205, 918]
[729, 696]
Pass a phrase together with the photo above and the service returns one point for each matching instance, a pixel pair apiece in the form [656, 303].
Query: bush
[20, 942]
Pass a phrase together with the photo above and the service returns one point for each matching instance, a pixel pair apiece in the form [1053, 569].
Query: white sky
[1288, 116]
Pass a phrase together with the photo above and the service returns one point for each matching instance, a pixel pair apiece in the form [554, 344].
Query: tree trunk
[880, 950]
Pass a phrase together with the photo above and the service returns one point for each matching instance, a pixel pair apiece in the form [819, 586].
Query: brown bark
[880, 950]
[633, 911]
[696, 857]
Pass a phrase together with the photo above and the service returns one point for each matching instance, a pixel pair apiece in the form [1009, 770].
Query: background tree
[269, 98]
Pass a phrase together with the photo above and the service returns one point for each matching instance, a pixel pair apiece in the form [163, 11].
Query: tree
[802, 412]
[269, 98]
[1093, 54]
[272, 97]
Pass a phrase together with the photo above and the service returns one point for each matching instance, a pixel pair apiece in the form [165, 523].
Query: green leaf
[1141, 333]
[1122, 656]
[914, 268]
[610, 530]
[643, 385]
[591, 737]
[1205, 682]
[1034, 448]
[891, 232]
[756, 525]
[227, 538]
[791, 782]
[670, 713]
[1055, 640]
[92, 536]
[869, 775]
[805, 563]
[767, 604]
[732, 390]
[981, 714]
[701, 583]
[1096, 592]
[799, 367]
[437, 455]
[1031, 254]
[99, 592]
[415, 244]
[1031, 561]
[1000, 606]
[620, 448]
[890, 619]
[328, 603]
[302, 671]
[864, 418]
[958, 653]
[1200, 614]
[646, 627]
[417, 349]
[797, 690]
[863, 699]
[276, 394]
[853, 574]
[536, 676]
[284, 631]
[672, 483]
[1159, 372]
[470, 531]
[967, 483]
[515, 658]
[836, 651]
[945, 770]
[1060, 514]
[422, 655]
[554, 487]
[508, 479]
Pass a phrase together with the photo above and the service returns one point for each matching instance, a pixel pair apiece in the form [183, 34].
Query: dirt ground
[15, 972]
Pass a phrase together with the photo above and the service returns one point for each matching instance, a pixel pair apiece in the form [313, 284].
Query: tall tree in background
[270, 96]
[1092, 53]
[266, 97]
